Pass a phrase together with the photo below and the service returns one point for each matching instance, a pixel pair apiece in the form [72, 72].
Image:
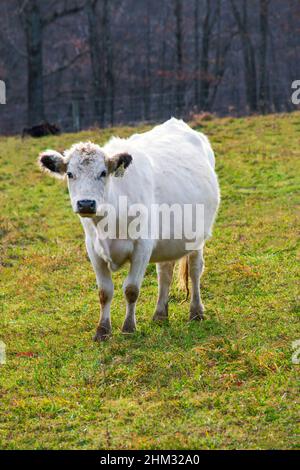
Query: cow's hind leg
[164, 276]
[196, 267]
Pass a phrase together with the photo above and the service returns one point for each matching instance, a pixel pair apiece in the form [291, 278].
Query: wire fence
[73, 114]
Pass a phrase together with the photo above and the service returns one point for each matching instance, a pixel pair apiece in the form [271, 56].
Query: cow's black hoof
[159, 317]
[98, 338]
[196, 318]
[102, 334]
[128, 326]
[161, 314]
[197, 313]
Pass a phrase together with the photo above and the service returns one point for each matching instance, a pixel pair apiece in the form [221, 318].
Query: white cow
[171, 164]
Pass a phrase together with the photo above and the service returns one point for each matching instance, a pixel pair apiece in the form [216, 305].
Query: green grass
[228, 382]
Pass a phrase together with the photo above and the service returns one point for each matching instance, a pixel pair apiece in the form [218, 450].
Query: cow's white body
[171, 164]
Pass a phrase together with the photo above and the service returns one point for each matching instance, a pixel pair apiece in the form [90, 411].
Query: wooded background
[106, 62]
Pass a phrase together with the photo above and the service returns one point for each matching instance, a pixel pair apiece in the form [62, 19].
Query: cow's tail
[183, 275]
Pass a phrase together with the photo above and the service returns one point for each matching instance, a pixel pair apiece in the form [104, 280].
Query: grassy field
[228, 382]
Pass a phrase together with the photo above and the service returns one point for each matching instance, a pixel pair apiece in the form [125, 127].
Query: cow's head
[87, 170]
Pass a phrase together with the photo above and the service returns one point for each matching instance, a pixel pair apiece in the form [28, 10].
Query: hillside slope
[228, 382]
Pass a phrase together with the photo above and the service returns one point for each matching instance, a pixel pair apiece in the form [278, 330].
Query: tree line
[103, 62]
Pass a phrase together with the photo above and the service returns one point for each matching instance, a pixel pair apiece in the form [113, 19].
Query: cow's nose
[86, 206]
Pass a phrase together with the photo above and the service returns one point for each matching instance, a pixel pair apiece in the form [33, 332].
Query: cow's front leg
[106, 290]
[132, 284]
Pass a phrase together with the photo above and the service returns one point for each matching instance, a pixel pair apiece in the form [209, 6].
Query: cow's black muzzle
[86, 207]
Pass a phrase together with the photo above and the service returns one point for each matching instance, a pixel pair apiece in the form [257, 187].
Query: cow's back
[181, 163]
[170, 136]
[165, 139]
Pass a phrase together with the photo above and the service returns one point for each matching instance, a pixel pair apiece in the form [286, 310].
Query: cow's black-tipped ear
[118, 163]
[53, 162]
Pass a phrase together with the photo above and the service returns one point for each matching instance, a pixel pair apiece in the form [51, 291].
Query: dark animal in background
[41, 130]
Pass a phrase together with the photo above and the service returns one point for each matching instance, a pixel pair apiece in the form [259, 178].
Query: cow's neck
[103, 244]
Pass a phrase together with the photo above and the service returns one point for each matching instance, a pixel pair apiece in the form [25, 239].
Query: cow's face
[87, 170]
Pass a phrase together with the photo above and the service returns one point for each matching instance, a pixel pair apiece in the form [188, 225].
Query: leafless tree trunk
[223, 45]
[264, 26]
[248, 50]
[207, 29]
[274, 88]
[179, 55]
[34, 24]
[33, 27]
[197, 52]
[147, 71]
[97, 61]
[101, 52]
[109, 57]
[203, 77]
[162, 72]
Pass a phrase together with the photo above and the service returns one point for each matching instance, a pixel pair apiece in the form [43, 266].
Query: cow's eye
[101, 175]
[70, 175]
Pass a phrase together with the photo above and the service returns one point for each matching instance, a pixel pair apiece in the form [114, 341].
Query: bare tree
[97, 60]
[263, 48]
[101, 52]
[241, 18]
[149, 65]
[147, 68]
[33, 28]
[209, 70]
[110, 75]
[179, 55]
[34, 22]
[197, 51]
[210, 17]
[222, 48]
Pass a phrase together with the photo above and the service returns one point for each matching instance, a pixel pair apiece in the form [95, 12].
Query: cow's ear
[53, 162]
[118, 163]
